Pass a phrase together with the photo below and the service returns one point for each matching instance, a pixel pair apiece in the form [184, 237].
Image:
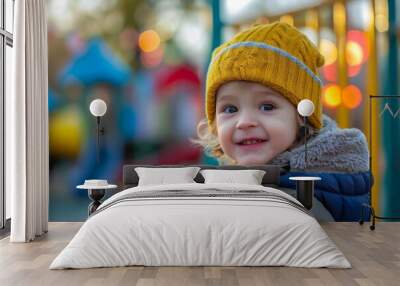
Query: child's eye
[229, 109]
[267, 107]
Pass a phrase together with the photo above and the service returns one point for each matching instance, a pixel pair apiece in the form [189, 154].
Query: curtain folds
[27, 149]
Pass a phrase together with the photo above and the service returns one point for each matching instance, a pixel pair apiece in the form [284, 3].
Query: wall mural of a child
[254, 83]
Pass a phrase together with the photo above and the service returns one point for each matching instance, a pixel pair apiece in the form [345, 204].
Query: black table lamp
[98, 108]
[305, 184]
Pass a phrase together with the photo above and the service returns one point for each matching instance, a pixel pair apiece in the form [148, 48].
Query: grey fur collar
[332, 149]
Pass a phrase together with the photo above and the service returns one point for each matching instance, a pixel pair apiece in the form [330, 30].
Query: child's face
[254, 122]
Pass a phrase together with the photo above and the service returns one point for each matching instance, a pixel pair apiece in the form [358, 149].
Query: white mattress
[183, 231]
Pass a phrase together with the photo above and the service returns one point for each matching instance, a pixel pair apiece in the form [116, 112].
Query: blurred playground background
[148, 59]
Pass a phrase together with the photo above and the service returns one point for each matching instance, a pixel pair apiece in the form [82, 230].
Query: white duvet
[191, 231]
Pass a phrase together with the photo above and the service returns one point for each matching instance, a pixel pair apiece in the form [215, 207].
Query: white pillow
[249, 177]
[162, 176]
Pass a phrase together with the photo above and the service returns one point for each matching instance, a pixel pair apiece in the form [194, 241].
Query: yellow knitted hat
[276, 55]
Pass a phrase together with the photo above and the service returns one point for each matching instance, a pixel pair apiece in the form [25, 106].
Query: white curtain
[27, 149]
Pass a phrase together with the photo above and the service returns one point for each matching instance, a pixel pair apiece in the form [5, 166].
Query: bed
[201, 223]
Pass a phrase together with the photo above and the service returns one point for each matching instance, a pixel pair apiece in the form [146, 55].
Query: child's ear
[202, 128]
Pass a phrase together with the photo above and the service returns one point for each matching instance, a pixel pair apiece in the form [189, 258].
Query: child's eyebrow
[267, 94]
[226, 96]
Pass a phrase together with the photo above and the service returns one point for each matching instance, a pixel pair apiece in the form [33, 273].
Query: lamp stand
[99, 132]
[305, 141]
[98, 138]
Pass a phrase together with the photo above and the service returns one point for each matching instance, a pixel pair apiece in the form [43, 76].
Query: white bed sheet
[200, 231]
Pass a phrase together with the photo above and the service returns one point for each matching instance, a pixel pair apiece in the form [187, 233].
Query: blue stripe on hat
[274, 49]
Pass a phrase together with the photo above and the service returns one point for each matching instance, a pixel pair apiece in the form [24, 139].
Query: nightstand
[305, 190]
[95, 193]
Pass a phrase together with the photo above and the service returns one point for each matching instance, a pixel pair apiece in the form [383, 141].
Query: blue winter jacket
[342, 194]
[341, 158]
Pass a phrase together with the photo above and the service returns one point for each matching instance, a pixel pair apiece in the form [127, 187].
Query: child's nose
[246, 120]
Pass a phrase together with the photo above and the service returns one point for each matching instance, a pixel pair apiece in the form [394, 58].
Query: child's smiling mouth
[251, 142]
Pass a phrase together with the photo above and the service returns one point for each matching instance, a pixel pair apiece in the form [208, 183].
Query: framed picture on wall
[384, 142]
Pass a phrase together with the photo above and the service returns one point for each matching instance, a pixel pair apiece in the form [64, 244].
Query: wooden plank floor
[374, 255]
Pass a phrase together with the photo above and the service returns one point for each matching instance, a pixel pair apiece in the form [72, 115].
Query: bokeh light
[354, 53]
[330, 72]
[149, 41]
[360, 38]
[357, 51]
[351, 96]
[329, 51]
[331, 95]
[381, 16]
[381, 23]
[66, 133]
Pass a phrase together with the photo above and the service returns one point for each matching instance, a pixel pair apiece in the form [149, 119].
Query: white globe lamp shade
[305, 107]
[98, 107]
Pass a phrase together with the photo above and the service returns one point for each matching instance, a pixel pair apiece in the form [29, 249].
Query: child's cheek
[280, 126]
[284, 132]
[283, 117]
[224, 132]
